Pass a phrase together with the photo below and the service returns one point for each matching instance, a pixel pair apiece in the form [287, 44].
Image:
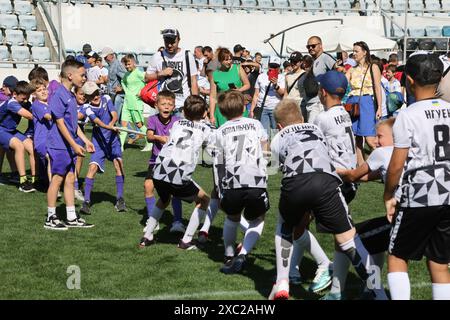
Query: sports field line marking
[197, 295]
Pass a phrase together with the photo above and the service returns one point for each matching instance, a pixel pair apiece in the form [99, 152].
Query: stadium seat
[70, 52]
[433, 5]
[14, 38]
[6, 7]
[200, 2]
[411, 44]
[386, 5]
[22, 7]
[312, 4]
[416, 5]
[397, 32]
[27, 22]
[328, 4]
[4, 53]
[183, 2]
[144, 58]
[441, 44]
[41, 54]
[446, 31]
[343, 5]
[167, 2]
[216, 2]
[416, 32]
[265, 3]
[9, 21]
[281, 3]
[426, 44]
[399, 7]
[249, 3]
[446, 6]
[296, 4]
[433, 31]
[20, 53]
[35, 38]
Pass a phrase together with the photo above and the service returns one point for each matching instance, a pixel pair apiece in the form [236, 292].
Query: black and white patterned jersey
[302, 148]
[179, 156]
[239, 161]
[424, 128]
[336, 126]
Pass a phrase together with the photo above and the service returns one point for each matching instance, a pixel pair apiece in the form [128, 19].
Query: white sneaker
[148, 147]
[177, 227]
[79, 195]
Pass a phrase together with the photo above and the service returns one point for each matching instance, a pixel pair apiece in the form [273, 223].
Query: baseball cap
[333, 82]
[90, 87]
[10, 82]
[92, 54]
[170, 33]
[274, 61]
[106, 51]
[87, 48]
[238, 48]
[295, 57]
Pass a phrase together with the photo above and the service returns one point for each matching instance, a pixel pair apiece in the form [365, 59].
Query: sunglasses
[312, 46]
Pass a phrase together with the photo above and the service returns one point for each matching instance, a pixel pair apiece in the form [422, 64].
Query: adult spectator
[365, 86]
[238, 51]
[323, 61]
[198, 54]
[444, 87]
[175, 68]
[269, 90]
[116, 73]
[287, 67]
[211, 62]
[229, 76]
[293, 77]
[83, 57]
[246, 55]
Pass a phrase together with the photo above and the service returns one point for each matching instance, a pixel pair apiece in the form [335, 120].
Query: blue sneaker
[321, 281]
[332, 296]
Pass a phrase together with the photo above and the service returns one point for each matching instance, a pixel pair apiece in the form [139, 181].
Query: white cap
[106, 51]
[90, 87]
[275, 60]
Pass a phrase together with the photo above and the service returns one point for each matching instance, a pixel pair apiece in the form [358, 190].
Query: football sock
[283, 249]
[123, 137]
[177, 209]
[252, 235]
[197, 215]
[229, 236]
[71, 214]
[340, 271]
[22, 179]
[119, 186]
[89, 183]
[211, 214]
[149, 202]
[441, 291]
[243, 224]
[51, 211]
[153, 221]
[363, 264]
[399, 285]
[296, 258]
[309, 242]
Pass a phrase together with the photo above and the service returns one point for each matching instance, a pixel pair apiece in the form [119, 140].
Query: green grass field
[34, 261]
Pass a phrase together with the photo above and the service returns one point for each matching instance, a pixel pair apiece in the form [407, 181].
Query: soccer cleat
[145, 242]
[187, 246]
[332, 296]
[202, 237]
[27, 187]
[79, 195]
[78, 223]
[177, 226]
[120, 205]
[321, 281]
[53, 223]
[280, 291]
[85, 208]
[236, 265]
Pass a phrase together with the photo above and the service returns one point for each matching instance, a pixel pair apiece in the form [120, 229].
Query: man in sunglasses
[323, 61]
[174, 68]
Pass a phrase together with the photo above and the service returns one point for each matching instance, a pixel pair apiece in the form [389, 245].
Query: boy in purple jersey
[103, 114]
[158, 128]
[62, 148]
[42, 120]
[11, 112]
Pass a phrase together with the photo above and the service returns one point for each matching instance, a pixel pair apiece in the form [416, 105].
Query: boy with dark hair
[38, 73]
[158, 130]
[310, 183]
[422, 216]
[11, 112]
[174, 166]
[101, 112]
[63, 149]
[239, 145]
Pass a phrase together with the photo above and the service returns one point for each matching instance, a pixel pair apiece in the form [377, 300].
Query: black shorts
[318, 193]
[150, 169]
[349, 191]
[374, 234]
[421, 231]
[254, 202]
[186, 192]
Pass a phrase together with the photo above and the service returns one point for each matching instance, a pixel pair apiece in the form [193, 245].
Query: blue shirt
[41, 125]
[102, 136]
[9, 119]
[63, 105]
[81, 58]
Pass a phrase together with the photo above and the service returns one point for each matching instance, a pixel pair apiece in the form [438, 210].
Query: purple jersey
[52, 87]
[3, 96]
[100, 136]
[41, 125]
[63, 105]
[160, 129]
[9, 119]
